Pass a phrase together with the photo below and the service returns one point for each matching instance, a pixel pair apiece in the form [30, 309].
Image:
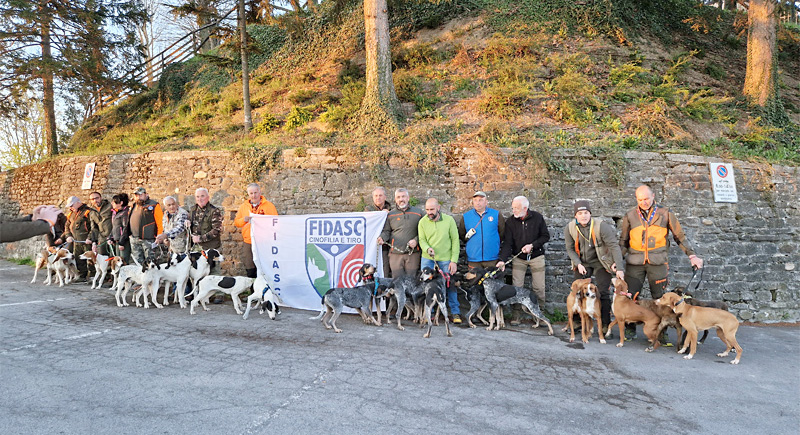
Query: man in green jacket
[438, 240]
[104, 210]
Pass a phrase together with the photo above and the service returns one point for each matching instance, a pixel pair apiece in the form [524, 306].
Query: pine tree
[50, 45]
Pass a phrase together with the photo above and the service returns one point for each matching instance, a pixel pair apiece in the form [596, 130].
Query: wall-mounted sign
[723, 183]
[88, 176]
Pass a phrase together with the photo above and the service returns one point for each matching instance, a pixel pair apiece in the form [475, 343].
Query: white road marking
[32, 302]
[72, 337]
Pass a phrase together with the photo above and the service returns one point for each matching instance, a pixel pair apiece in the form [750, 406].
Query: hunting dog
[689, 299]
[62, 264]
[365, 273]
[583, 300]
[702, 318]
[176, 270]
[202, 263]
[667, 316]
[45, 259]
[102, 265]
[407, 292]
[359, 297]
[266, 298]
[232, 285]
[627, 311]
[150, 277]
[128, 276]
[498, 293]
[475, 295]
[434, 290]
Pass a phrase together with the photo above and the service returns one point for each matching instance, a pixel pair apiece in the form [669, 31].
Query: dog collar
[625, 294]
[680, 301]
[686, 297]
[486, 276]
[263, 292]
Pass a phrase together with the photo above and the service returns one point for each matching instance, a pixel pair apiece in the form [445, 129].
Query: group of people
[133, 229]
[413, 239]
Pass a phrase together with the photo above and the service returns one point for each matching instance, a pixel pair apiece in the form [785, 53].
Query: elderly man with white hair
[176, 226]
[524, 239]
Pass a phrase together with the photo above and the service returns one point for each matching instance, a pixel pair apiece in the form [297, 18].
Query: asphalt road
[72, 362]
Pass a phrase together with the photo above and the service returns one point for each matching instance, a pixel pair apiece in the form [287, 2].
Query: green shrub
[704, 105]
[353, 93]
[336, 116]
[406, 85]
[298, 117]
[629, 73]
[302, 95]
[415, 56]
[610, 123]
[503, 99]
[268, 123]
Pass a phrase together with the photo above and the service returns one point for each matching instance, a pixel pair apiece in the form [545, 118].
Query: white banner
[304, 256]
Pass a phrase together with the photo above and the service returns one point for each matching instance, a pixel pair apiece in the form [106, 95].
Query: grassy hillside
[622, 74]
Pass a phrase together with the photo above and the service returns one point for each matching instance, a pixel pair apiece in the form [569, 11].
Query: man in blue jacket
[482, 231]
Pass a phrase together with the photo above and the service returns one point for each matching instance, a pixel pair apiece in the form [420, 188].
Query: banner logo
[335, 249]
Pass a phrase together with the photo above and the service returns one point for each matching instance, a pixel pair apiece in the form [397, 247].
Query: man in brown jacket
[645, 245]
[83, 229]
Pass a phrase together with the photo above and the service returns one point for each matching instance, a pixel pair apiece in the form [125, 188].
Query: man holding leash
[524, 239]
[438, 239]
[593, 247]
[482, 230]
[400, 233]
[83, 227]
[145, 222]
[645, 245]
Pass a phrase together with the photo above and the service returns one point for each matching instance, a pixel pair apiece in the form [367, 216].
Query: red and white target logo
[349, 277]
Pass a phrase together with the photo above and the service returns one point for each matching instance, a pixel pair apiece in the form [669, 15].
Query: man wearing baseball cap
[481, 229]
[593, 247]
[82, 230]
[144, 224]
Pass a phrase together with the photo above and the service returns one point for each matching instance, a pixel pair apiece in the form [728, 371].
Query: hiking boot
[80, 279]
[218, 299]
[630, 334]
[604, 331]
[456, 319]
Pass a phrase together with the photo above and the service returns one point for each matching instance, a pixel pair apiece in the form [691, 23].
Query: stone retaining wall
[751, 248]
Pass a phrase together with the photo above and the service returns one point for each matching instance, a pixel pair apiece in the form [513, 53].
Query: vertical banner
[303, 256]
[88, 176]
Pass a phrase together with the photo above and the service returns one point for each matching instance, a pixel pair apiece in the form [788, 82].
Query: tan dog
[627, 311]
[701, 318]
[583, 300]
[667, 316]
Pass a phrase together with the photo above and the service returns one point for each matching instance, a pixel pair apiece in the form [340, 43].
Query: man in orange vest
[255, 204]
[593, 247]
[646, 247]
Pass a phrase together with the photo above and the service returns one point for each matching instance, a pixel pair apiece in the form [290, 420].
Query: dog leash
[697, 285]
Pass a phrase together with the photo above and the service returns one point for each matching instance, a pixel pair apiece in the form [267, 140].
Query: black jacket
[520, 232]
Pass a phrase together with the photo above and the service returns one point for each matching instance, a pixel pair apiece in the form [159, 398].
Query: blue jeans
[452, 295]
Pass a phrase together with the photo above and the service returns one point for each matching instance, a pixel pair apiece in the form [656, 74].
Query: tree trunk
[49, 100]
[248, 119]
[380, 108]
[760, 77]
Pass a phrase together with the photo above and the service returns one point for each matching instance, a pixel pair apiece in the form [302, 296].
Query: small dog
[177, 270]
[102, 265]
[359, 297]
[701, 318]
[202, 263]
[435, 296]
[265, 297]
[62, 264]
[44, 260]
[583, 300]
[232, 285]
[627, 311]
[150, 280]
[498, 293]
